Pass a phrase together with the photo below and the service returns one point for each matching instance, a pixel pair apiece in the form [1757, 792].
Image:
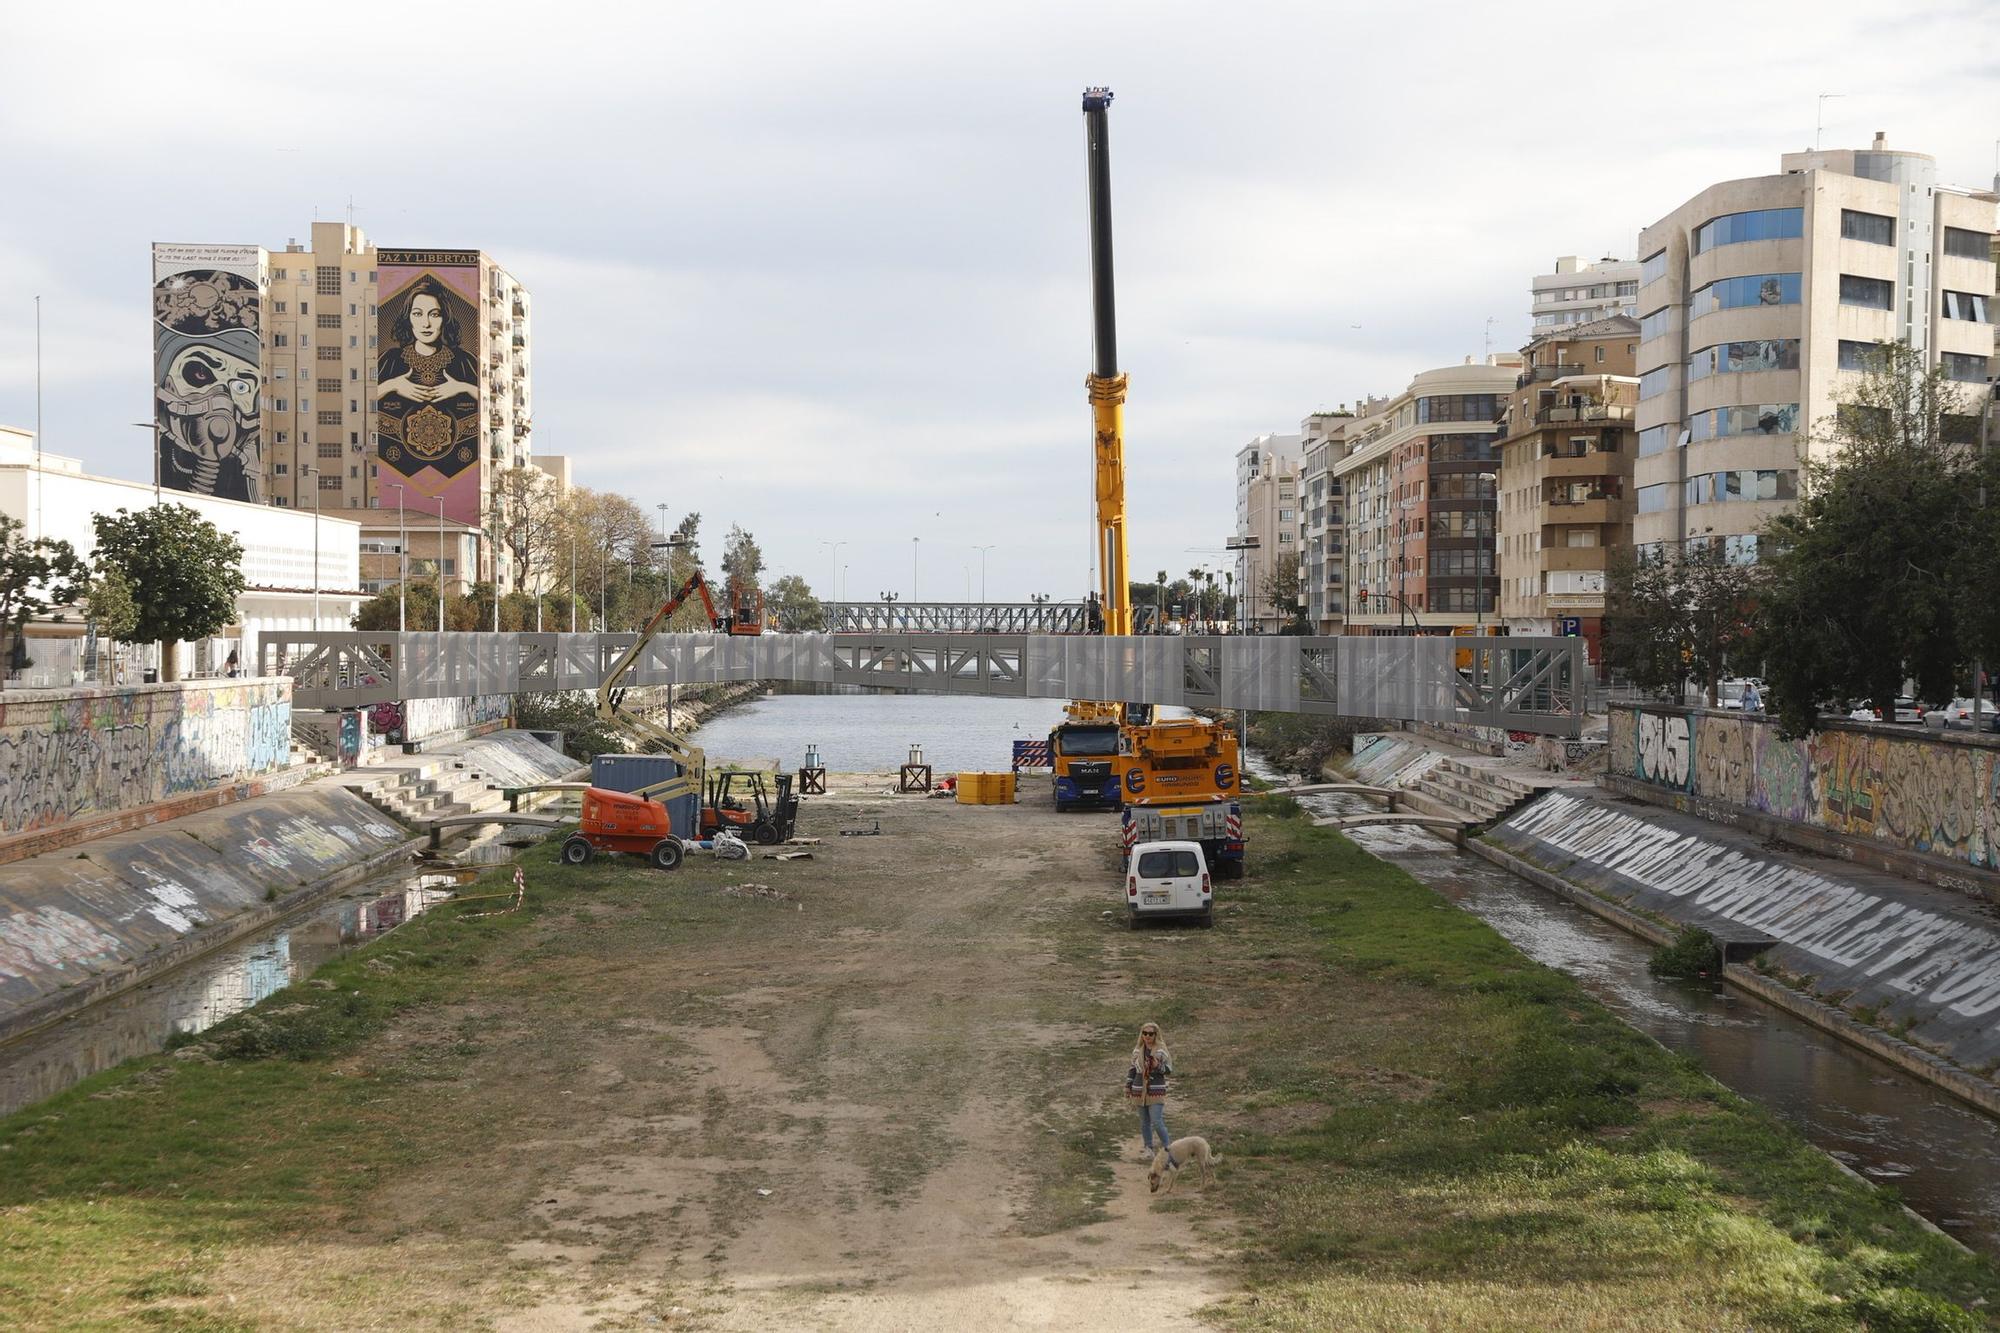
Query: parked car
[1957, 716]
[1168, 879]
[1907, 711]
[1731, 693]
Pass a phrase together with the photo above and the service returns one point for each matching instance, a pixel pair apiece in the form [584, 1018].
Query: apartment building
[1267, 504]
[310, 378]
[1580, 293]
[1762, 300]
[1565, 479]
[1418, 489]
[1326, 439]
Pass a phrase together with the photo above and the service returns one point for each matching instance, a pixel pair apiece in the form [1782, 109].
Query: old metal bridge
[1521, 684]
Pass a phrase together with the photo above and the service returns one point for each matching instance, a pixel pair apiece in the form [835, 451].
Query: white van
[1165, 879]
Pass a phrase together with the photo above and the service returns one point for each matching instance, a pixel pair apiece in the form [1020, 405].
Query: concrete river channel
[1941, 1157]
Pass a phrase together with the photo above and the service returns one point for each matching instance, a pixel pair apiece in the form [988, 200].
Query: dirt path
[886, 1099]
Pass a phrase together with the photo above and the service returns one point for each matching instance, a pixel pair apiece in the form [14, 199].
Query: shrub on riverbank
[1693, 954]
[1301, 743]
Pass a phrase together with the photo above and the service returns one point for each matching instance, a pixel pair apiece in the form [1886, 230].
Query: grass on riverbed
[1431, 1130]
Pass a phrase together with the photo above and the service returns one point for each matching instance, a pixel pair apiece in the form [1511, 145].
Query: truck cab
[1084, 757]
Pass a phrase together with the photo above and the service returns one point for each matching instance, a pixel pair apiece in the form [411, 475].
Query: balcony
[1584, 415]
[1540, 374]
[1558, 559]
[1590, 465]
[1583, 513]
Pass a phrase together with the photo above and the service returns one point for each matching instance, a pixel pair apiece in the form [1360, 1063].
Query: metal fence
[1520, 683]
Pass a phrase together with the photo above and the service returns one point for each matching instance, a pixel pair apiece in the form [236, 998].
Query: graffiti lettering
[1666, 750]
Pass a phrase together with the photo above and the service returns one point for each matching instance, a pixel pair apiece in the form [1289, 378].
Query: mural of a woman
[427, 387]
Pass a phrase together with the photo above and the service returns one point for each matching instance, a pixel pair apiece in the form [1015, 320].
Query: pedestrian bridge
[1520, 684]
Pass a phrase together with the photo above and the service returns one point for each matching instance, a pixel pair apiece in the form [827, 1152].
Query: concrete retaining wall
[1934, 795]
[1910, 958]
[77, 927]
[72, 754]
[451, 719]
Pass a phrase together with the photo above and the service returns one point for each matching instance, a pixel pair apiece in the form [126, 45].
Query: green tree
[1281, 595]
[184, 572]
[742, 561]
[1686, 615]
[1872, 578]
[526, 518]
[112, 609]
[791, 600]
[35, 577]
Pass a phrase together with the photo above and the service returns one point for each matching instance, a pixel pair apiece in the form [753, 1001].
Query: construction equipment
[1182, 783]
[1105, 385]
[768, 819]
[639, 821]
[1083, 756]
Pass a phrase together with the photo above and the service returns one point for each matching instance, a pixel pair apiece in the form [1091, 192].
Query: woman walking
[1146, 1084]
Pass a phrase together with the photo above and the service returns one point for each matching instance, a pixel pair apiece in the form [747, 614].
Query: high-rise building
[342, 376]
[1417, 484]
[1763, 299]
[1267, 501]
[1326, 439]
[1566, 478]
[1578, 293]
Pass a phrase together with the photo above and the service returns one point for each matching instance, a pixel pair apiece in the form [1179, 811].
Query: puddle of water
[1941, 1156]
[215, 986]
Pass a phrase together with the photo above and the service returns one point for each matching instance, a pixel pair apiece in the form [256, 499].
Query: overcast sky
[821, 270]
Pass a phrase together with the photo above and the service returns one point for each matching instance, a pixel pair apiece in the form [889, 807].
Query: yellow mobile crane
[1106, 386]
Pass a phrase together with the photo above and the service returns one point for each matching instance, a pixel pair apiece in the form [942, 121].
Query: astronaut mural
[208, 354]
[427, 378]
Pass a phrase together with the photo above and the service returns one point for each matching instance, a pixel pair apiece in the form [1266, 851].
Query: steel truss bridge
[959, 618]
[1521, 684]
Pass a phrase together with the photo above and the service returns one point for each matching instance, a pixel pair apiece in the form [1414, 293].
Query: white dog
[1169, 1161]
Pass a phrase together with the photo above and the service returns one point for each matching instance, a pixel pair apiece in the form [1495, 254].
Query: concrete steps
[1483, 795]
[428, 789]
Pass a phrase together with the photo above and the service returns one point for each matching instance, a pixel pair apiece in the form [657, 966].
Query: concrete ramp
[137, 898]
[1906, 953]
[508, 759]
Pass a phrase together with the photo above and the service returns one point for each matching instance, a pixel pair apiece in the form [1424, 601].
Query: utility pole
[1985, 431]
[913, 567]
[402, 559]
[309, 470]
[440, 564]
[982, 568]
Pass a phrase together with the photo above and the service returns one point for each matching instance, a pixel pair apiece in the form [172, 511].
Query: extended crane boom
[1105, 384]
[666, 740]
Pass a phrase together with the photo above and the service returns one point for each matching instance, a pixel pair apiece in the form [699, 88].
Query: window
[279, 339]
[353, 309]
[327, 483]
[1765, 224]
[354, 438]
[1746, 484]
[1600, 354]
[281, 437]
[1859, 355]
[1287, 515]
[1653, 325]
[1743, 357]
[1752, 419]
[1965, 305]
[1653, 499]
[279, 274]
[1653, 440]
[324, 449]
[329, 280]
[1870, 227]
[1628, 289]
[1652, 268]
[329, 386]
[1754, 289]
[1957, 241]
[282, 405]
[278, 373]
[327, 321]
[354, 404]
[1459, 407]
[329, 354]
[329, 418]
[280, 468]
[1876, 293]
[1284, 539]
[1656, 382]
[1961, 367]
[278, 306]
[305, 308]
[354, 374]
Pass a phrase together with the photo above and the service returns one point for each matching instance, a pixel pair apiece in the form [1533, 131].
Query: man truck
[1181, 784]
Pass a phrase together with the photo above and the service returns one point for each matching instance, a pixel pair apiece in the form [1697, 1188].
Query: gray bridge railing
[957, 617]
[1519, 684]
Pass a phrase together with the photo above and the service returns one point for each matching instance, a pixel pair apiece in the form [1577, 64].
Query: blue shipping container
[630, 772]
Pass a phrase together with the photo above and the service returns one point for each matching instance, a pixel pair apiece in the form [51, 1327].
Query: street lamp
[1243, 545]
[440, 564]
[154, 427]
[835, 589]
[307, 469]
[572, 579]
[402, 558]
[913, 567]
[982, 568]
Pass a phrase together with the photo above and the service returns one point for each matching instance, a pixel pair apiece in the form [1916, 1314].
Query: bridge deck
[1527, 684]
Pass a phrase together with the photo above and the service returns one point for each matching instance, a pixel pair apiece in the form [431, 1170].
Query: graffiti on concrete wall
[1666, 749]
[1916, 792]
[67, 755]
[425, 718]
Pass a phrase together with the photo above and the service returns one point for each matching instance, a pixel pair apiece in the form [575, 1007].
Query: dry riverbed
[878, 1089]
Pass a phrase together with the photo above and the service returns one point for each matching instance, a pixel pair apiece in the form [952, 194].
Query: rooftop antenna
[1489, 338]
[1819, 124]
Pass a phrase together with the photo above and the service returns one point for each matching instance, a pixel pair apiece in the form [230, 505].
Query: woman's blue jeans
[1153, 1120]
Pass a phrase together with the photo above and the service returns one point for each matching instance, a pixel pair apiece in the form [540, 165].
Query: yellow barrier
[986, 789]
